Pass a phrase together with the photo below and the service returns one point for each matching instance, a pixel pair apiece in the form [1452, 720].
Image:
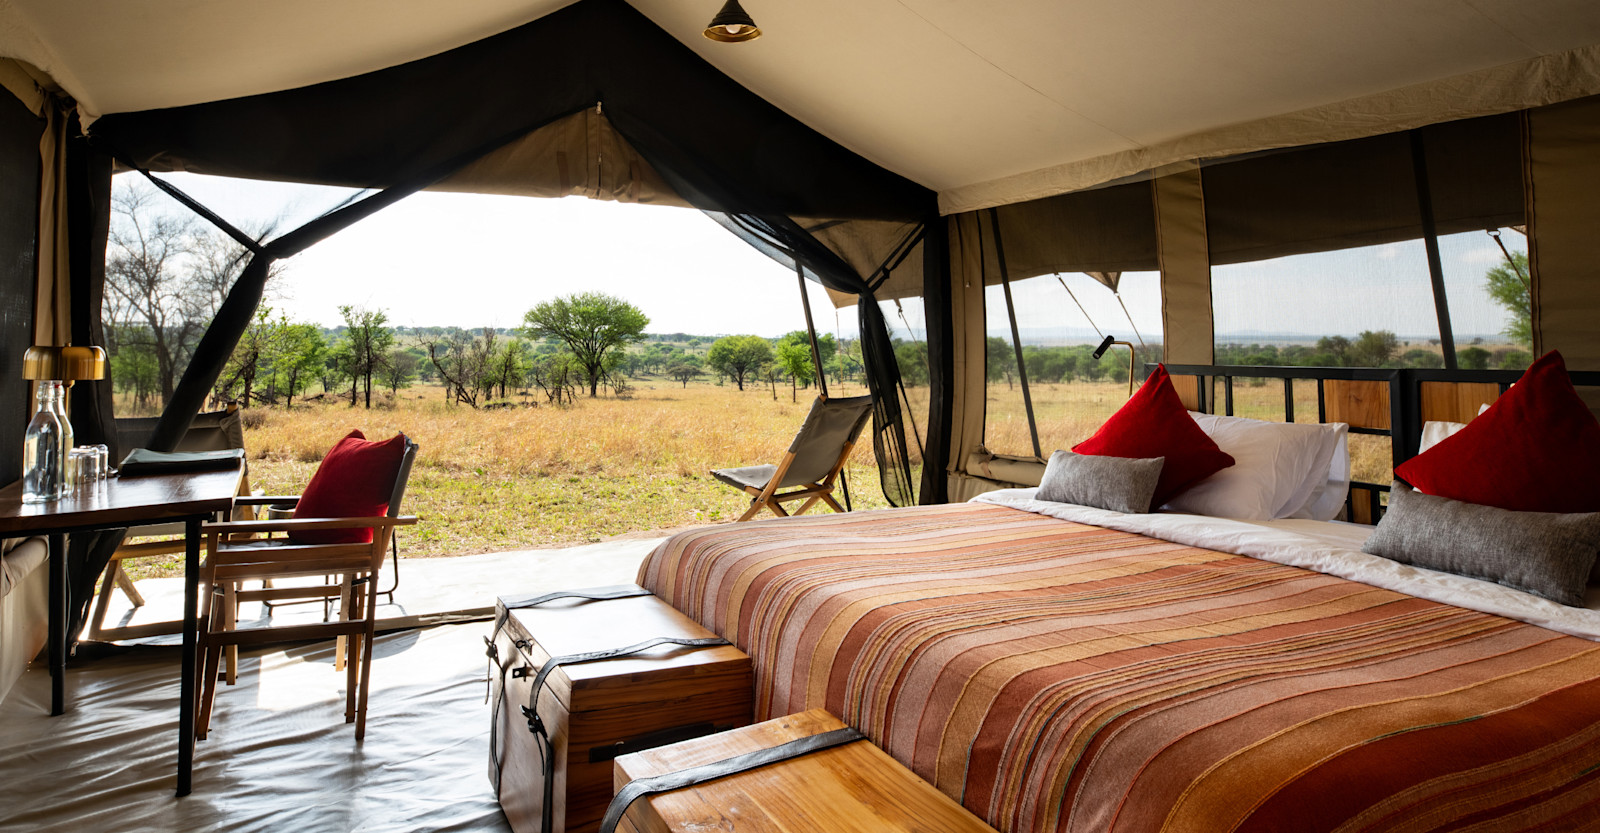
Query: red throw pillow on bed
[1537, 449]
[1154, 423]
[355, 480]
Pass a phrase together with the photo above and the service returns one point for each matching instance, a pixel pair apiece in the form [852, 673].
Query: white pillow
[1433, 432]
[1277, 468]
[1327, 499]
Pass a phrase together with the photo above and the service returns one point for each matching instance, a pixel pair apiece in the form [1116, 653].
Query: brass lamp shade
[67, 364]
[732, 25]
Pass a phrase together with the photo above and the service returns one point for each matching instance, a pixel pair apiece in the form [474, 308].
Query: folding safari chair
[812, 464]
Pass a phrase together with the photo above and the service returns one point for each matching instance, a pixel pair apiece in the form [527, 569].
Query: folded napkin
[144, 461]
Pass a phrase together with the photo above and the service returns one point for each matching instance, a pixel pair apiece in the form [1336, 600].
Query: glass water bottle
[60, 406]
[43, 449]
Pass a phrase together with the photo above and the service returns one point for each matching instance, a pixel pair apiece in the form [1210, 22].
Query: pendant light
[732, 25]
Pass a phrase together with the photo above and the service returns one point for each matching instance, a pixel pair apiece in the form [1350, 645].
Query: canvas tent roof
[985, 103]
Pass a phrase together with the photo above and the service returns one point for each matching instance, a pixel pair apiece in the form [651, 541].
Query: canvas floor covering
[280, 756]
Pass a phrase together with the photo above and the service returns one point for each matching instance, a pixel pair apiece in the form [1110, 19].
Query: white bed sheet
[1331, 547]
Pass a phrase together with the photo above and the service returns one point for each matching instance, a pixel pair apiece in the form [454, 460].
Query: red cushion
[355, 480]
[1537, 449]
[1154, 423]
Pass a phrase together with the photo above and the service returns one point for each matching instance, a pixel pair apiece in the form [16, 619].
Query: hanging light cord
[1080, 306]
[1495, 233]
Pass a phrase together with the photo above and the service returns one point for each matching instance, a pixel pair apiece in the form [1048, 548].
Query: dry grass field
[546, 476]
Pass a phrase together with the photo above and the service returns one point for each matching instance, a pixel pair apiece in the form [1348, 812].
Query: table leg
[191, 628]
[58, 623]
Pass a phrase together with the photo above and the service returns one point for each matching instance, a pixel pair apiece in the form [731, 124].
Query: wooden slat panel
[1456, 401]
[1188, 388]
[1361, 506]
[1361, 404]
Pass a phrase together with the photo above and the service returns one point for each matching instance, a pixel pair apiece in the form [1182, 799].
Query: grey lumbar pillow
[1544, 553]
[1121, 484]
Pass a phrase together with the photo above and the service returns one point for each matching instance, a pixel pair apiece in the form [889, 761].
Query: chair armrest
[265, 500]
[286, 525]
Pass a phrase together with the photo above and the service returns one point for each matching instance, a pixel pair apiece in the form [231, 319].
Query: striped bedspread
[1057, 676]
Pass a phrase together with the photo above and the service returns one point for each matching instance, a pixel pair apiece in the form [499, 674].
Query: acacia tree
[591, 324]
[684, 369]
[739, 357]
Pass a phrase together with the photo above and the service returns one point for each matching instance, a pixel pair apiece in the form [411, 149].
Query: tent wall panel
[1564, 216]
[1180, 210]
[968, 370]
[578, 155]
[1507, 88]
[20, 132]
[1103, 230]
[1362, 192]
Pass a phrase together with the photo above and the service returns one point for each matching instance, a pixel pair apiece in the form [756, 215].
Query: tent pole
[811, 330]
[1430, 232]
[1016, 337]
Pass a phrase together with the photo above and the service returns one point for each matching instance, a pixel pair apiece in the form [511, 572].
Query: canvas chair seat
[748, 477]
[812, 464]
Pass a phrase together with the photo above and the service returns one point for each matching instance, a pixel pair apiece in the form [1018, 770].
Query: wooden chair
[212, 431]
[354, 567]
[812, 463]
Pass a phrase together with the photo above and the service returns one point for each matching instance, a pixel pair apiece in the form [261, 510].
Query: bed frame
[1387, 402]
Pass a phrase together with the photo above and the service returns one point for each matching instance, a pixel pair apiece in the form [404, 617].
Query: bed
[1064, 668]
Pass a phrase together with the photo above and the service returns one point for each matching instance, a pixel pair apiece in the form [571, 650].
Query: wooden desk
[135, 501]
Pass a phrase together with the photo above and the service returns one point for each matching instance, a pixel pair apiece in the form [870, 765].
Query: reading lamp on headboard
[1106, 345]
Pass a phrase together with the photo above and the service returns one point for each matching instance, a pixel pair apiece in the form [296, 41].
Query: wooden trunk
[596, 710]
[853, 788]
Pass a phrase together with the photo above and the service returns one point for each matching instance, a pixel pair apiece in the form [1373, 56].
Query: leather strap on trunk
[641, 787]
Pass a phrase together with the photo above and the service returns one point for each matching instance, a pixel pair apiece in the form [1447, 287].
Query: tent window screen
[1490, 306]
[909, 334]
[1061, 319]
[1319, 254]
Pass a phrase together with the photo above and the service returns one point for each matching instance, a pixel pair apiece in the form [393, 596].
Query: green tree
[1473, 358]
[591, 324]
[399, 370]
[367, 342]
[795, 359]
[1337, 347]
[302, 352]
[684, 369]
[1422, 358]
[912, 357]
[1373, 349]
[1507, 286]
[739, 357]
[1002, 360]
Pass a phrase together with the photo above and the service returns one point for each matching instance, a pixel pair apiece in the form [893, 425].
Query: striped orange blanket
[1057, 676]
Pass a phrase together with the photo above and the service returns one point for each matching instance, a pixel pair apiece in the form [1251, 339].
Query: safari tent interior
[890, 151]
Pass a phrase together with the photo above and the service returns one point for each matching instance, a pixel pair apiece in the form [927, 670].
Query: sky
[438, 259]
[469, 260]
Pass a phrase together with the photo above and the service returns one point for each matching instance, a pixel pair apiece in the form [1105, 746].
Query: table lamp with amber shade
[44, 448]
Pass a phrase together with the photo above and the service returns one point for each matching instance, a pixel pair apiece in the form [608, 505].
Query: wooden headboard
[1388, 402]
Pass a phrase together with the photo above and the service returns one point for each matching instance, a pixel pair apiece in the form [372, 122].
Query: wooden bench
[851, 788]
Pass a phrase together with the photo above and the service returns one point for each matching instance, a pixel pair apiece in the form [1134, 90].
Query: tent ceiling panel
[989, 103]
[116, 57]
